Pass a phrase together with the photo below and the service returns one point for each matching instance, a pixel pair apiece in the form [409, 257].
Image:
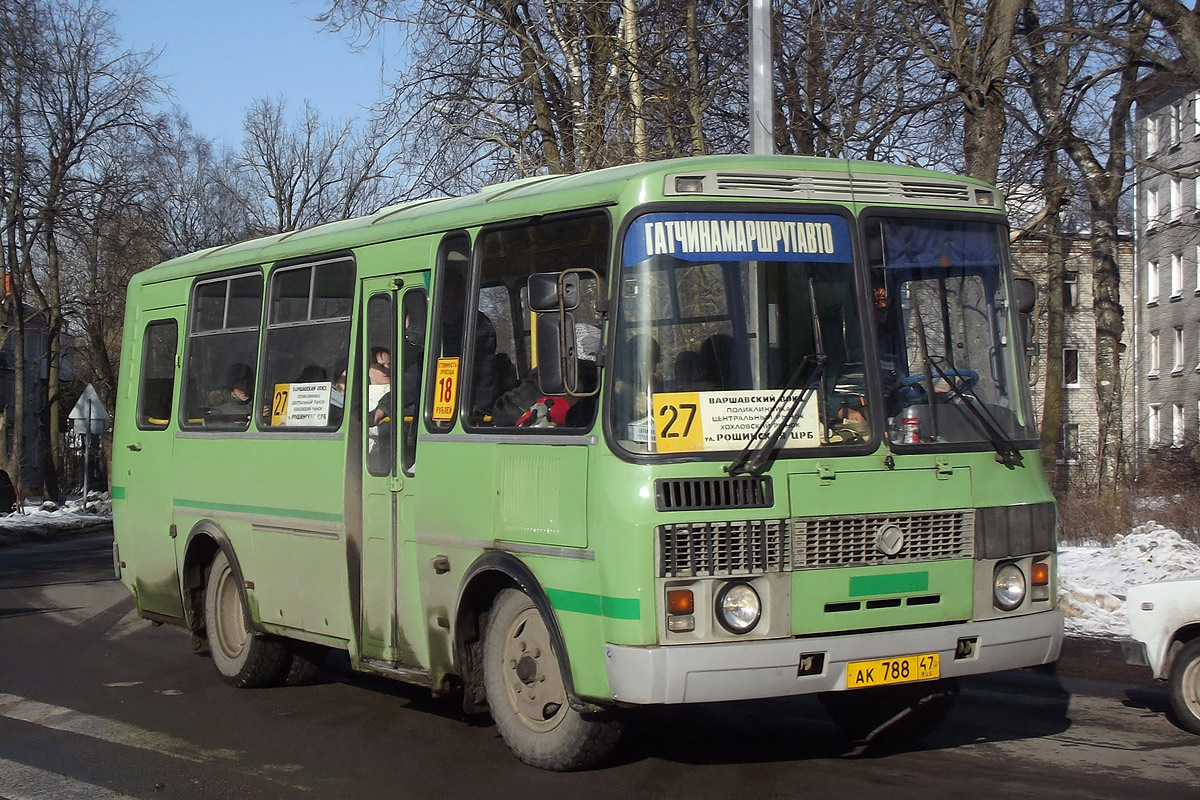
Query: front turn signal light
[680, 601]
[1040, 573]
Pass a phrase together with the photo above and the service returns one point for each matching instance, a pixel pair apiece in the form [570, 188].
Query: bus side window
[380, 384]
[443, 394]
[412, 358]
[159, 346]
[223, 324]
[508, 256]
[307, 344]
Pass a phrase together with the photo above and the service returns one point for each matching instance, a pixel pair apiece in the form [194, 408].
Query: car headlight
[738, 608]
[1008, 588]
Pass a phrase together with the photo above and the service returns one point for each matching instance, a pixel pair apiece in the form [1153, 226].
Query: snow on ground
[45, 520]
[1092, 579]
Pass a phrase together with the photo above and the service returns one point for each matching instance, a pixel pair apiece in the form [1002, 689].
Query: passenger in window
[483, 372]
[526, 406]
[337, 399]
[312, 374]
[232, 404]
[380, 371]
[642, 377]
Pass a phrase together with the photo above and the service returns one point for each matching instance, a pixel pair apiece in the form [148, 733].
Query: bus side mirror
[553, 291]
[556, 364]
[1025, 293]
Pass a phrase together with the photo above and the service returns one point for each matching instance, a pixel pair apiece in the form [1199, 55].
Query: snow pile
[47, 520]
[1092, 581]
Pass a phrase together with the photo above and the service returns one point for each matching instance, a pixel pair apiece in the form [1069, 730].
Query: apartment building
[1166, 299]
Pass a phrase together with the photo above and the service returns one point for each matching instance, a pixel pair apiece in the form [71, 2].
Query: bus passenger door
[148, 539]
[393, 344]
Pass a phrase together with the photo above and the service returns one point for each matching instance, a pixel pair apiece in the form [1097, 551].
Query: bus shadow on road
[1012, 706]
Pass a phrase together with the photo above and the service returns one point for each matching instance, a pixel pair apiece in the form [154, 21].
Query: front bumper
[753, 669]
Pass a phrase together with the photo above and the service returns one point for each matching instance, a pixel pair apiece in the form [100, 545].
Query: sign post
[88, 418]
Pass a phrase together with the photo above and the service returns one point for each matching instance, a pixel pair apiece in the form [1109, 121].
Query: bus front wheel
[527, 695]
[243, 657]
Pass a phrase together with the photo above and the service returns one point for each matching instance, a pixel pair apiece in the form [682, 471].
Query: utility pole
[762, 80]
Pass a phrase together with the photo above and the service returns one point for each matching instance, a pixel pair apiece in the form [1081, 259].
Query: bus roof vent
[831, 187]
[695, 494]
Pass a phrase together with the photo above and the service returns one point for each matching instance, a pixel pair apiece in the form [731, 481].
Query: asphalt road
[97, 704]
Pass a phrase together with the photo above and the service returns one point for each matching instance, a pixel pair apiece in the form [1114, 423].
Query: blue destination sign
[738, 237]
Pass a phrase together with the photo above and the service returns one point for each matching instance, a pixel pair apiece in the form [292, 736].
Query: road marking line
[69, 720]
[23, 782]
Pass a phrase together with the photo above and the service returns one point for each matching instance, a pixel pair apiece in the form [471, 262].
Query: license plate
[886, 671]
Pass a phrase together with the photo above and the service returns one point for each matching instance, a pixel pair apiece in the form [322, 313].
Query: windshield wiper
[1006, 449]
[795, 392]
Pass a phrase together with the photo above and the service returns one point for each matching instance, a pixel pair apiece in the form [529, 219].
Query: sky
[219, 56]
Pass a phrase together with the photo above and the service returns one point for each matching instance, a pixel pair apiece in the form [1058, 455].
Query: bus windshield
[945, 331]
[718, 313]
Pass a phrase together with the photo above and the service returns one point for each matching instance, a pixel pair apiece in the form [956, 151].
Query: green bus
[697, 430]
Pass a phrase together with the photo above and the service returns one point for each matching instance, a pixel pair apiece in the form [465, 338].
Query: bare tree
[1182, 24]
[1084, 83]
[67, 90]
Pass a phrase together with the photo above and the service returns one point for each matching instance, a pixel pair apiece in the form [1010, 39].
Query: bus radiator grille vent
[694, 494]
[709, 549]
[855, 541]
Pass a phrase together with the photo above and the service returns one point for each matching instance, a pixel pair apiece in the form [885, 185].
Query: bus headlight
[1008, 588]
[738, 608]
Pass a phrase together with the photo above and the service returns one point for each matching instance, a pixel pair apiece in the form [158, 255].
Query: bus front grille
[755, 547]
[882, 539]
[707, 549]
[691, 494]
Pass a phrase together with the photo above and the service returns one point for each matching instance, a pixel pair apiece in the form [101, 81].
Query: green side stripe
[595, 604]
[205, 505]
[899, 583]
[117, 492]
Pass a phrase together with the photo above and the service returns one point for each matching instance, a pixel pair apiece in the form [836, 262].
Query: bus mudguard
[492, 571]
[203, 541]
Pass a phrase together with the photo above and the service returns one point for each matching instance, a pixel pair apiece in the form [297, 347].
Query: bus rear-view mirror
[550, 291]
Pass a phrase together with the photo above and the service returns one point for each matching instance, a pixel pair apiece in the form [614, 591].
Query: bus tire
[305, 663]
[891, 715]
[243, 657]
[527, 695]
[1184, 685]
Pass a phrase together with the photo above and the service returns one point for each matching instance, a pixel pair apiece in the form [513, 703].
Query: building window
[1069, 444]
[1177, 431]
[1177, 365]
[1151, 208]
[1176, 122]
[1152, 429]
[1070, 362]
[1151, 135]
[1176, 276]
[1152, 282]
[1071, 290]
[1154, 354]
[1176, 199]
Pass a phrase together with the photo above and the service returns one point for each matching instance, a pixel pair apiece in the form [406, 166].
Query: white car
[1165, 621]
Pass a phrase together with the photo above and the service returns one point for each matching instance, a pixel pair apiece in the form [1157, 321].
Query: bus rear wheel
[1185, 687]
[243, 657]
[527, 695]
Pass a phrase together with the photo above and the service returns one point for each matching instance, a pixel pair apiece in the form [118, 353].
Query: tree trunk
[1110, 328]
